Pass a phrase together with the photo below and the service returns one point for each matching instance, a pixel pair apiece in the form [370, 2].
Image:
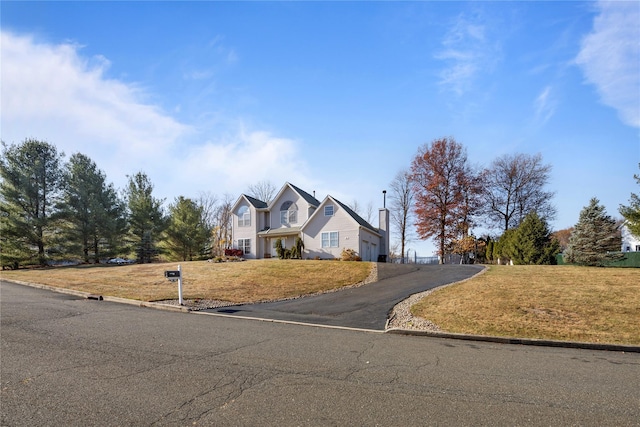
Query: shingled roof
[355, 216]
[258, 204]
[308, 197]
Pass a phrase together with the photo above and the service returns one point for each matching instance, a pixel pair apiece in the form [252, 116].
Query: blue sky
[335, 97]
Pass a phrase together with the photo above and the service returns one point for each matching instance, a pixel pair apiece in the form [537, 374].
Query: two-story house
[326, 228]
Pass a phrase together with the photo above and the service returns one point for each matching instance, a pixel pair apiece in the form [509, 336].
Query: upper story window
[288, 213]
[244, 216]
[328, 210]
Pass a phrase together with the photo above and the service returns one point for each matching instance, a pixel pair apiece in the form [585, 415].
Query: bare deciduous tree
[263, 190]
[365, 213]
[221, 234]
[514, 186]
[401, 204]
[208, 202]
[355, 206]
[369, 212]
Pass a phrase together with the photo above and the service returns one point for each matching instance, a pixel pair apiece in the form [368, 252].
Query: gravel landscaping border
[401, 317]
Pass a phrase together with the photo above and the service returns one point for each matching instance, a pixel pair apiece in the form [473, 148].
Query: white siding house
[326, 228]
[630, 242]
[248, 218]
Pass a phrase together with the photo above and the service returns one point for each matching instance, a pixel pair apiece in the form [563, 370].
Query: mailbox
[172, 274]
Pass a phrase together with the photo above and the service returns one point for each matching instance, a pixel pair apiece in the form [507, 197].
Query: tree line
[52, 210]
[444, 196]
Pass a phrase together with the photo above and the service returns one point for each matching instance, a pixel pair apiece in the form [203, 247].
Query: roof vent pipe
[384, 199]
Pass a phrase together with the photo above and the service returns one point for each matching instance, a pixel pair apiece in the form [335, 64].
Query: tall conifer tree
[93, 209]
[30, 191]
[595, 238]
[187, 233]
[533, 243]
[146, 217]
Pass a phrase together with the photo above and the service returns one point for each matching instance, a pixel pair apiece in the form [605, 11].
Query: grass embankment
[544, 302]
[587, 304]
[236, 282]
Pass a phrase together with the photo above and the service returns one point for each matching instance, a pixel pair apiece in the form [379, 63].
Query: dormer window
[288, 213]
[244, 217]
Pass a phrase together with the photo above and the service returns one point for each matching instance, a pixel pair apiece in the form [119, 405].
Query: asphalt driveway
[364, 307]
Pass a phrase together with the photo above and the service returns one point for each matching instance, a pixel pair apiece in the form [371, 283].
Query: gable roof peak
[361, 221]
[259, 204]
[306, 196]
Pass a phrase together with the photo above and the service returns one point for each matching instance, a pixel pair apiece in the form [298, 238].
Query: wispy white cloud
[467, 52]
[210, 58]
[544, 106]
[53, 93]
[227, 53]
[610, 58]
[244, 158]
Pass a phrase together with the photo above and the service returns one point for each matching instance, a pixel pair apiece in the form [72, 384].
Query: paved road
[365, 307]
[74, 362]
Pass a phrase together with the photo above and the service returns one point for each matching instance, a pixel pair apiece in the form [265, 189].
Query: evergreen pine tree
[533, 242]
[93, 210]
[186, 234]
[595, 239]
[489, 250]
[30, 189]
[631, 213]
[146, 217]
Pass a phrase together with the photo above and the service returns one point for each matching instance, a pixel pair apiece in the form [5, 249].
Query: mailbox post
[179, 284]
[174, 275]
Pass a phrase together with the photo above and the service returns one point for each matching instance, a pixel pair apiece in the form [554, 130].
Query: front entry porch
[268, 238]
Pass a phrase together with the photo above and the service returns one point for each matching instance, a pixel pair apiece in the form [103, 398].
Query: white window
[244, 245]
[244, 217]
[288, 213]
[328, 210]
[330, 239]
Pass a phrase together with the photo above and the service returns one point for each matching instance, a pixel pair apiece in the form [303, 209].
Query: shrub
[350, 255]
[233, 252]
[296, 250]
[279, 249]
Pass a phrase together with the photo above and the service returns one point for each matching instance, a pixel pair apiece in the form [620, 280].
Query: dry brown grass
[237, 282]
[543, 302]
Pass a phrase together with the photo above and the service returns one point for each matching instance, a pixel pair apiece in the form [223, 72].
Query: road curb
[90, 296]
[519, 341]
[393, 331]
